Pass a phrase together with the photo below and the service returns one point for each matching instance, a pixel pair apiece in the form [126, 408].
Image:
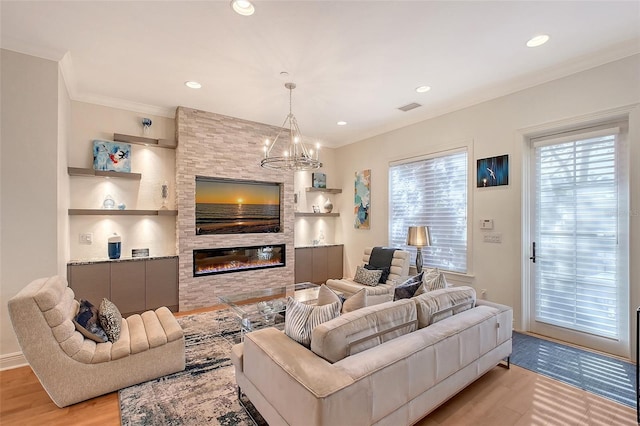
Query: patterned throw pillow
[86, 322]
[433, 280]
[301, 319]
[367, 277]
[385, 272]
[110, 319]
[407, 289]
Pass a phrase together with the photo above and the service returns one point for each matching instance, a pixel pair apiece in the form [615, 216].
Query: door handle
[533, 258]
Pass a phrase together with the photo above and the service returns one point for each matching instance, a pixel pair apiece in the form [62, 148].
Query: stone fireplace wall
[219, 146]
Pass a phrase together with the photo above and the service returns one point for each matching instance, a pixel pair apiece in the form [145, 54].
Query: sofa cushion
[301, 319]
[87, 323]
[437, 305]
[362, 329]
[367, 277]
[407, 289]
[110, 319]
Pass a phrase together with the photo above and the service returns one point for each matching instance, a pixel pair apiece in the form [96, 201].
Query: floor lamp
[418, 237]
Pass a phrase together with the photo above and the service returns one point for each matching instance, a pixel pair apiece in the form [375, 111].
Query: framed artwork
[319, 180]
[111, 156]
[492, 171]
[362, 200]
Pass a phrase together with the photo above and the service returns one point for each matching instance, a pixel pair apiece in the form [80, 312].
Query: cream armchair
[73, 368]
[382, 292]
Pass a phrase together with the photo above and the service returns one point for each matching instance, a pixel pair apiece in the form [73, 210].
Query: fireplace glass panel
[235, 259]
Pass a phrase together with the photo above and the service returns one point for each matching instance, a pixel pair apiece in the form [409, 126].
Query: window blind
[576, 234]
[431, 192]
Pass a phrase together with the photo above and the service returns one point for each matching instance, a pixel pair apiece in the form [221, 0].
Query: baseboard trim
[12, 360]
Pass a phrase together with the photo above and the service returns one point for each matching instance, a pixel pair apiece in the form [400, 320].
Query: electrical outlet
[86, 238]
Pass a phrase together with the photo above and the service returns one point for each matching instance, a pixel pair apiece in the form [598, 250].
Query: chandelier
[290, 154]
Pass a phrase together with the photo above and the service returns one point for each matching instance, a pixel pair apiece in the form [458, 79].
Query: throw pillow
[86, 322]
[432, 280]
[301, 319]
[355, 301]
[110, 319]
[407, 289]
[367, 277]
[327, 296]
[385, 272]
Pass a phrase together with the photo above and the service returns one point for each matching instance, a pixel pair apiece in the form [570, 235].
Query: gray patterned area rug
[205, 392]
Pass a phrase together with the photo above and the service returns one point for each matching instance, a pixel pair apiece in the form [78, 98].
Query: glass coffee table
[266, 307]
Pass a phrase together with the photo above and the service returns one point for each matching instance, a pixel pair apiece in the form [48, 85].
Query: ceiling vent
[409, 107]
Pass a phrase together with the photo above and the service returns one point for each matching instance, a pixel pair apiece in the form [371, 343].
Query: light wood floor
[514, 397]
[500, 398]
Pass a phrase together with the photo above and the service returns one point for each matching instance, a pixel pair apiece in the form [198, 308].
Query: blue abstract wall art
[493, 171]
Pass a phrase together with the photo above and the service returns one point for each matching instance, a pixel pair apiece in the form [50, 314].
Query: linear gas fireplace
[235, 259]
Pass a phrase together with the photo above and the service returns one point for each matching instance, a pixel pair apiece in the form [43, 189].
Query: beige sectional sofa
[377, 365]
[73, 368]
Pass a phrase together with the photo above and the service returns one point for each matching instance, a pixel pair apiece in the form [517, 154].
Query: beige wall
[495, 128]
[90, 122]
[64, 132]
[28, 179]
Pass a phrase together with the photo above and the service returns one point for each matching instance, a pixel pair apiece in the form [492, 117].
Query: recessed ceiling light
[242, 7]
[423, 89]
[193, 84]
[342, 123]
[538, 40]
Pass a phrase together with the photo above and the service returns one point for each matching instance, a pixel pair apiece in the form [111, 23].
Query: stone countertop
[122, 259]
[318, 245]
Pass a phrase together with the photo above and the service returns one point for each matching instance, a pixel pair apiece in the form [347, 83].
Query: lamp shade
[418, 236]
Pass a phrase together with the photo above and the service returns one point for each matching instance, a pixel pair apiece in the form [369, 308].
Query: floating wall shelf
[308, 214]
[110, 212]
[78, 171]
[139, 140]
[326, 190]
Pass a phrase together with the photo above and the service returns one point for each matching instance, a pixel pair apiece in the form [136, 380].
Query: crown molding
[125, 104]
[568, 68]
[23, 47]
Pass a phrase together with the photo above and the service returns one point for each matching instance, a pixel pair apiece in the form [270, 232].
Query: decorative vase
[115, 246]
[327, 206]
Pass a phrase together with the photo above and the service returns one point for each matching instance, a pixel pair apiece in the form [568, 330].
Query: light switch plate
[86, 238]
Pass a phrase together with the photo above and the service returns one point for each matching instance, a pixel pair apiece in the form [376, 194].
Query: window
[431, 191]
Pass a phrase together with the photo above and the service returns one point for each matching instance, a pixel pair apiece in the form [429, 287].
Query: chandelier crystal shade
[290, 153]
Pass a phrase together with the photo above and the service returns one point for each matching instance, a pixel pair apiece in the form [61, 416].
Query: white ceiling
[356, 61]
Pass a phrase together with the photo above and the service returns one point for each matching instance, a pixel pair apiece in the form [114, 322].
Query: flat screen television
[228, 206]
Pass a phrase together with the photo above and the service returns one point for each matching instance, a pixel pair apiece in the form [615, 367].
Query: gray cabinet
[162, 283]
[134, 285]
[318, 264]
[91, 282]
